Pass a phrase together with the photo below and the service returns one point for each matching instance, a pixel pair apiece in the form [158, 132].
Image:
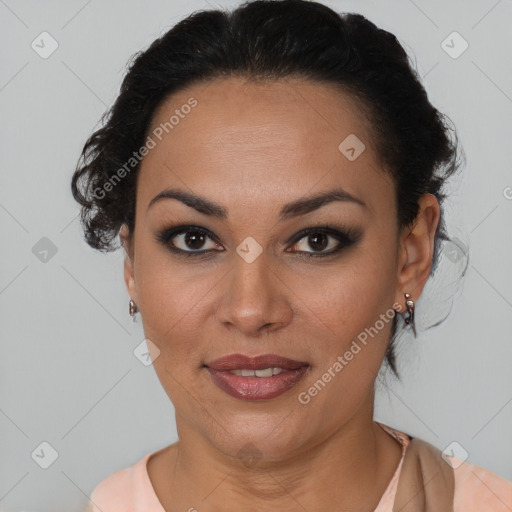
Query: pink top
[476, 489]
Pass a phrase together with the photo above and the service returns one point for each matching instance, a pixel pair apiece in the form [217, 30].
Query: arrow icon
[351, 147]
[454, 45]
[44, 455]
[146, 352]
[44, 45]
[249, 249]
[44, 250]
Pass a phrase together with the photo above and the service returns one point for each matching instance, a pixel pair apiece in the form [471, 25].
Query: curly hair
[271, 40]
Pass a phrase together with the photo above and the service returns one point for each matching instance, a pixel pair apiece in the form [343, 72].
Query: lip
[239, 361]
[256, 388]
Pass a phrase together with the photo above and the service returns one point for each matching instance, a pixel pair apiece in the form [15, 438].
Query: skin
[252, 148]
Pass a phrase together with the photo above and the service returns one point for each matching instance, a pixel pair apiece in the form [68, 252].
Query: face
[256, 269]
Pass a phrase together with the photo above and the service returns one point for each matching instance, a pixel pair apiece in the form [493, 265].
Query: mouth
[256, 378]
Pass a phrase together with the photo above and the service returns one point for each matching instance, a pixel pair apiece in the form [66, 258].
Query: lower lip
[256, 388]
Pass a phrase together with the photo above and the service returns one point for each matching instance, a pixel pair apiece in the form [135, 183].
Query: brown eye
[188, 240]
[194, 240]
[317, 241]
[324, 241]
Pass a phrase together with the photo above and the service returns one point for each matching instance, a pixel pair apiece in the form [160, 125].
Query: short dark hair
[271, 40]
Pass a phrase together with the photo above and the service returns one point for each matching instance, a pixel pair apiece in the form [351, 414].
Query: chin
[251, 439]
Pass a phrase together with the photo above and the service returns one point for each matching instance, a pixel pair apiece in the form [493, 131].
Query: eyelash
[346, 238]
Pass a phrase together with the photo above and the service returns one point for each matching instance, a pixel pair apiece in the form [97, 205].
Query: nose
[254, 298]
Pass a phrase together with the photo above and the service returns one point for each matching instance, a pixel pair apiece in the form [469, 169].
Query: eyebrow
[290, 210]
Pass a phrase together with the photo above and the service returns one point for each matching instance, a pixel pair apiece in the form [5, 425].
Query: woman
[275, 176]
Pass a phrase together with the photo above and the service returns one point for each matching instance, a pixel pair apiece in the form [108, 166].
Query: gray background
[68, 373]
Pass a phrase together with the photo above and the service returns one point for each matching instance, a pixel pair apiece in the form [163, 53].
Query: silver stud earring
[133, 310]
[409, 320]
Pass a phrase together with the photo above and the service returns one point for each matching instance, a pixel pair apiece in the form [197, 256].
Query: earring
[410, 310]
[133, 310]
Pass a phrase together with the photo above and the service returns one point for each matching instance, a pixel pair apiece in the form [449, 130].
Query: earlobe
[129, 274]
[417, 249]
[129, 278]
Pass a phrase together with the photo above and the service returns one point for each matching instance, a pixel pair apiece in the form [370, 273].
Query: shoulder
[116, 487]
[479, 489]
[473, 488]
[119, 491]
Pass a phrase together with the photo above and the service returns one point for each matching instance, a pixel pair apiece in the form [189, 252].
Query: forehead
[275, 140]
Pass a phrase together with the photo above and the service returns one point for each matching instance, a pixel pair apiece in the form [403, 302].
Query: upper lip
[240, 361]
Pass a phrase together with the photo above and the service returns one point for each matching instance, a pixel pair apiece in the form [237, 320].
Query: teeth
[265, 372]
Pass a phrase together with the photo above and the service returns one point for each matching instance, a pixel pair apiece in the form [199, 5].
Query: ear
[416, 249]
[129, 275]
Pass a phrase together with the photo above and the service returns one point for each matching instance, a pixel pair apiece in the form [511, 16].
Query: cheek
[348, 297]
[168, 295]
[352, 307]
[360, 319]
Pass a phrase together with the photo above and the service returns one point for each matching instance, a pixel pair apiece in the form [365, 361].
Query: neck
[349, 470]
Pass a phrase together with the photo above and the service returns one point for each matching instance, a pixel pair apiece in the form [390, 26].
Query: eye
[188, 240]
[324, 241]
[193, 241]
